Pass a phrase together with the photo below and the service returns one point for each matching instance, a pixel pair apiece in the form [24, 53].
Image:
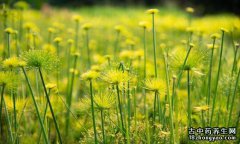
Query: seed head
[152, 11]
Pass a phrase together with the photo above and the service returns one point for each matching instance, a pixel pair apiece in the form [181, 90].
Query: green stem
[103, 131]
[147, 127]
[36, 107]
[88, 49]
[233, 99]
[7, 115]
[210, 76]
[169, 101]
[120, 110]
[218, 75]
[8, 45]
[145, 67]
[93, 115]
[50, 106]
[154, 111]
[154, 45]
[76, 35]
[69, 97]
[116, 45]
[189, 98]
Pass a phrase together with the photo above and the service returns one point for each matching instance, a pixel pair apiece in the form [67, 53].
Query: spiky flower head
[41, 59]
[70, 41]
[195, 59]
[115, 76]
[89, 75]
[152, 11]
[155, 85]
[13, 62]
[9, 30]
[189, 9]
[126, 54]
[104, 100]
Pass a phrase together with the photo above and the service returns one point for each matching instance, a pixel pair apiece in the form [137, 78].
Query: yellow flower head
[87, 26]
[152, 11]
[155, 85]
[126, 54]
[90, 75]
[200, 108]
[57, 39]
[70, 41]
[13, 62]
[9, 30]
[74, 71]
[49, 48]
[96, 68]
[144, 24]
[51, 85]
[115, 76]
[215, 36]
[118, 28]
[104, 100]
[224, 30]
[77, 18]
[189, 9]
[51, 30]
[76, 54]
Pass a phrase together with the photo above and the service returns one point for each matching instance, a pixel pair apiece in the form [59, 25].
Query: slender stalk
[179, 77]
[76, 34]
[88, 49]
[8, 45]
[154, 111]
[154, 45]
[147, 126]
[36, 106]
[120, 110]
[169, 101]
[15, 112]
[103, 131]
[69, 96]
[233, 99]
[218, 75]
[145, 66]
[210, 76]
[93, 115]
[7, 115]
[189, 98]
[116, 44]
[50, 106]
[44, 117]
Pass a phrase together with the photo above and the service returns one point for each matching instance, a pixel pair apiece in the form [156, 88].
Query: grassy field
[117, 75]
